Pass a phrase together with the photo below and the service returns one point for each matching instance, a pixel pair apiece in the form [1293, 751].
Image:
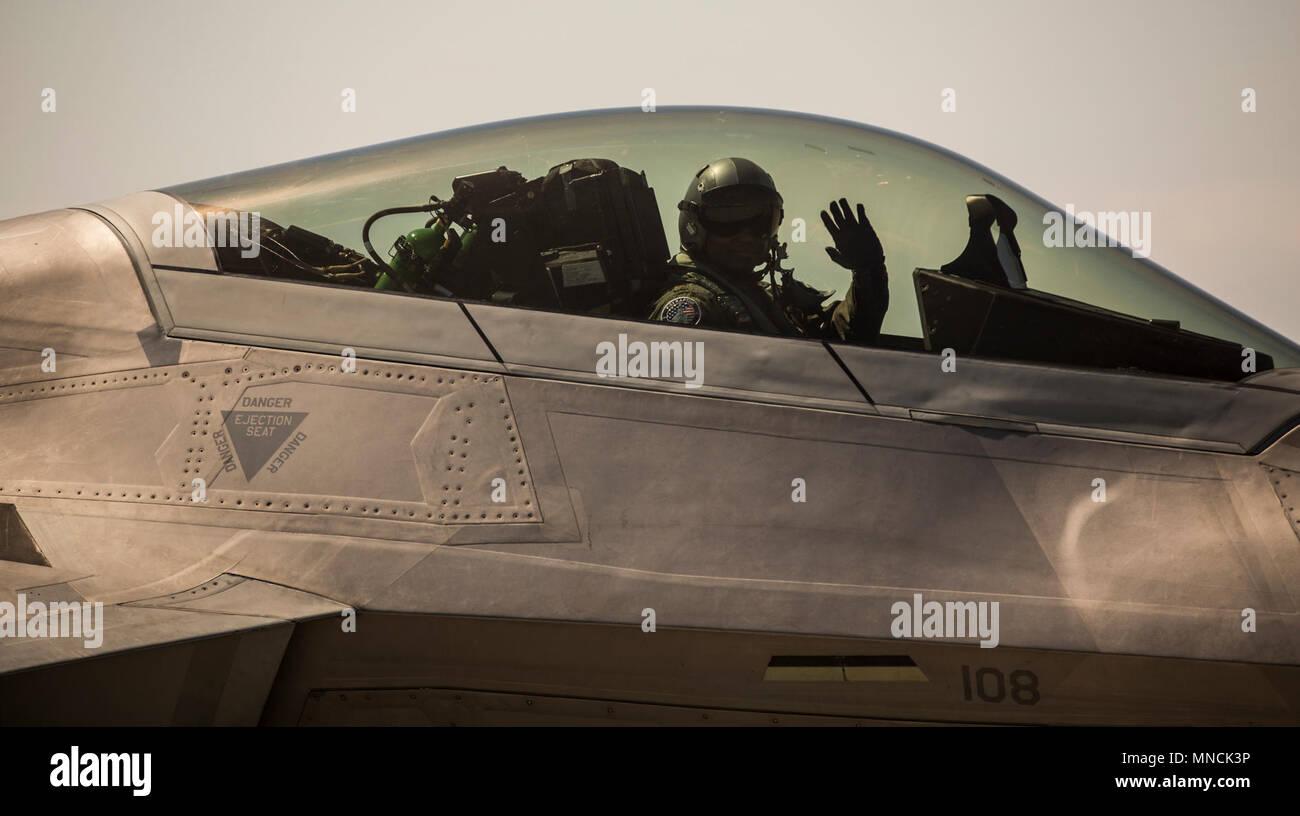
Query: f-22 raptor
[253, 470]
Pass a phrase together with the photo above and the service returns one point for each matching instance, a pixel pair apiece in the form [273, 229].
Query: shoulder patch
[683, 309]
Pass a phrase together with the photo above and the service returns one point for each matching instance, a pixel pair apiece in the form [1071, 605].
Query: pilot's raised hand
[856, 245]
[859, 317]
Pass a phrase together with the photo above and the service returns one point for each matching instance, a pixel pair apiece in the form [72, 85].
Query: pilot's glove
[856, 245]
[858, 248]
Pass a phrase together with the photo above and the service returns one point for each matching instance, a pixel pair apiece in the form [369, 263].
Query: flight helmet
[726, 195]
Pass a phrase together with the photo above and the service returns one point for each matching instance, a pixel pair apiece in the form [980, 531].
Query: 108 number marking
[991, 686]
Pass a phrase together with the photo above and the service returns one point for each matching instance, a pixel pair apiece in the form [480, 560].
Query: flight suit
[699, 296]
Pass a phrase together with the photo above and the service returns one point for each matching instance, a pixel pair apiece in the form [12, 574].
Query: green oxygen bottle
[412, 252]
[466, 250]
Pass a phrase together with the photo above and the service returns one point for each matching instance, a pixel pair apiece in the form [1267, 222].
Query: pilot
[727, 222]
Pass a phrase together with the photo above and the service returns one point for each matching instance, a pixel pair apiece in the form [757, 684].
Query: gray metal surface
[506, 671]
[736, 365]
[67, 283]
[894, 507]
[1142, 409]
[324, 319]
[141, 213]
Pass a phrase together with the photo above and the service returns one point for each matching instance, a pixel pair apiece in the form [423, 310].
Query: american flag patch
[685, 310]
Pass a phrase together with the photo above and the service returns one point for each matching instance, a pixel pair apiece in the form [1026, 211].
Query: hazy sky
[1106, 106]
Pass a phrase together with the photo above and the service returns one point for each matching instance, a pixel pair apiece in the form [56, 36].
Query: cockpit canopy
[916, 195]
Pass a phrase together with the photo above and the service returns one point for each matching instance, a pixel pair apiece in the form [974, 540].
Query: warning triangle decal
[257, 435]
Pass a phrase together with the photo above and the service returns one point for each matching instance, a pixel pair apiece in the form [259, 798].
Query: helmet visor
[763, 224]
[736, 209]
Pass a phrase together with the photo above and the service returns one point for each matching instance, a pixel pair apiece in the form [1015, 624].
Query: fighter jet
[255, 470]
